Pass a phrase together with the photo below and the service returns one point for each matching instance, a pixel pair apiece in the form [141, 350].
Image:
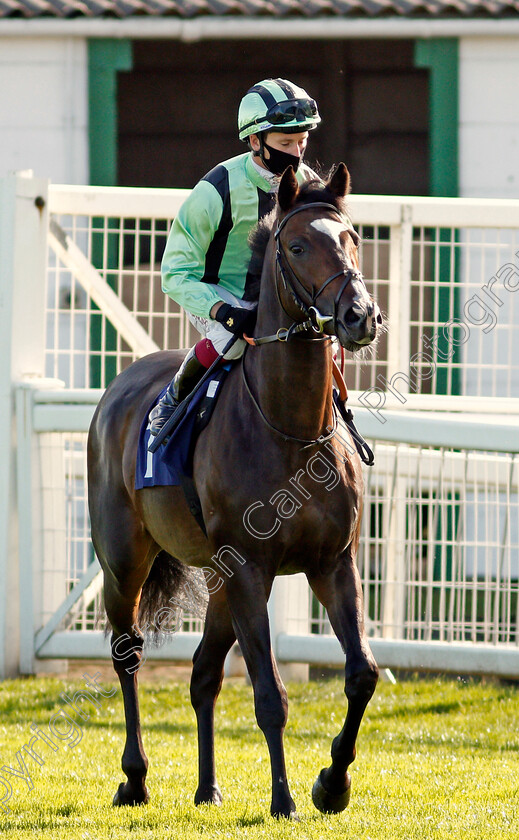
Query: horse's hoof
[285, 811]
[123, 798]
[330, 803]
[208, 796]
[292, 815]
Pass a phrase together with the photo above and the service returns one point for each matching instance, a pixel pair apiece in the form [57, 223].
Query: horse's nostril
[355, 314]
[379, 318]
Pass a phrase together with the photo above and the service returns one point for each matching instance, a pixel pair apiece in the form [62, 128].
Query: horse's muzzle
[358, 327]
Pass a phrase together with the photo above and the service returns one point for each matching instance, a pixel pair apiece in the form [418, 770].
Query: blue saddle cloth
[174, 460]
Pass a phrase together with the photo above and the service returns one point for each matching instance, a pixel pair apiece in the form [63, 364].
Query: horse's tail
[171, 590]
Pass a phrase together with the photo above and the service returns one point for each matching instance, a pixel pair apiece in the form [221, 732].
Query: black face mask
[278, 161]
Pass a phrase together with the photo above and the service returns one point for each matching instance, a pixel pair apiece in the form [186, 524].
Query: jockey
[204, 268]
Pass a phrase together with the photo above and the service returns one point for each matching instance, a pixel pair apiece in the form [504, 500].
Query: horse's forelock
[317, 190]
[309, 193]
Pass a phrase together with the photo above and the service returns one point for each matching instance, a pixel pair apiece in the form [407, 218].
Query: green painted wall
[440, 57]
[106, 58]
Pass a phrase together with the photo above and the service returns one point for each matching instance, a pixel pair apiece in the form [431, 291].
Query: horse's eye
[296, 250]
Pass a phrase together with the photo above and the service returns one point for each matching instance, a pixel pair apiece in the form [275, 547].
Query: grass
[436, 759]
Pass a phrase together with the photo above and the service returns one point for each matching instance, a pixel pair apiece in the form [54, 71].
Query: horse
[274, 417]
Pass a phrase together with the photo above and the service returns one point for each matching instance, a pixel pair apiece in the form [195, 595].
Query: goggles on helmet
[290, 110]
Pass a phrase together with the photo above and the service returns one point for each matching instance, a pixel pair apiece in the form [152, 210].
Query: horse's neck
[292, 380]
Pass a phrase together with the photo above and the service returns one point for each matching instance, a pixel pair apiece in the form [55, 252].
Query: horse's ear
[288, 188]
[340, 182]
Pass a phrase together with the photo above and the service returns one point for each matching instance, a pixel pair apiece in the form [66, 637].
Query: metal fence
[444, 270]
[439, 555]
[438, 558]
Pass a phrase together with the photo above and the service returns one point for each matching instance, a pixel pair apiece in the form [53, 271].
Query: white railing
[105, 304]
[428, 261]
[439, 555]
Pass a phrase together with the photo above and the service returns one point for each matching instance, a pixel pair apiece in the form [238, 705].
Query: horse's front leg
[206, 682]
[247, 598]
[341, 595]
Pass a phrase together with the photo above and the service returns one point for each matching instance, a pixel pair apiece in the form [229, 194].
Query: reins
[364, 451]
[307, 442]
[316, 322]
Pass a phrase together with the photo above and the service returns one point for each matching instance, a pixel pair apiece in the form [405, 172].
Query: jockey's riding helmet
[276, 105]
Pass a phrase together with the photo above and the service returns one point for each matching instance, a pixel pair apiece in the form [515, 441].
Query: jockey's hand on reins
[235, 319]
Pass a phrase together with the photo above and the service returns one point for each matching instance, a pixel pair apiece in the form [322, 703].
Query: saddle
[172, 463]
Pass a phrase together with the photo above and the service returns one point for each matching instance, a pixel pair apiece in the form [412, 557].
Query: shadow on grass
[404, 742]
[410, 708]
[245, 822]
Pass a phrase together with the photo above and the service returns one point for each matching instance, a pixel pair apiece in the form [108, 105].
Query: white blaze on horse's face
[333, 229]
[330, 227]
[356, 326]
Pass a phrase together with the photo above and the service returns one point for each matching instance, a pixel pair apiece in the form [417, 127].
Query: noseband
[291, 281]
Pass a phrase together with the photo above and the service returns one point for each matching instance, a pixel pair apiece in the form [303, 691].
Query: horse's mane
[309, 193]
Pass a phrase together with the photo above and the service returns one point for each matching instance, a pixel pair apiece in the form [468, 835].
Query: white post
[394, 591]
[23, 249]
[399, 304]
[42, 526]
[398, 384]
[289, 613]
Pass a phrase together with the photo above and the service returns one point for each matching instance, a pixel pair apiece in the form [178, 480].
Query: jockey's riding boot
[188, 374]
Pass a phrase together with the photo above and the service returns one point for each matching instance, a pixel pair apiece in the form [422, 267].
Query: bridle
[315, 321]
[291, 281]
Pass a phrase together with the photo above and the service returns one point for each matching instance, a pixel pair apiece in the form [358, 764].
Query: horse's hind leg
[126, 563]
[341, 594]
[127, 657]
[206, 682]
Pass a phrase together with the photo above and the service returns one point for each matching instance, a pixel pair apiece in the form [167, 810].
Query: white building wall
[44, 107]
[489, 167]
[489, 117]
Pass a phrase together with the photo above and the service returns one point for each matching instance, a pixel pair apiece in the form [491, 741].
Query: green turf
[436, 759]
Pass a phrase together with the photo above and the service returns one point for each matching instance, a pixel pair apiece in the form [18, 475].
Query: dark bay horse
[271, 429]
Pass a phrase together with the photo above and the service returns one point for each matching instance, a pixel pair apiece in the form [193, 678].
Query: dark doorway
[177, 109]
